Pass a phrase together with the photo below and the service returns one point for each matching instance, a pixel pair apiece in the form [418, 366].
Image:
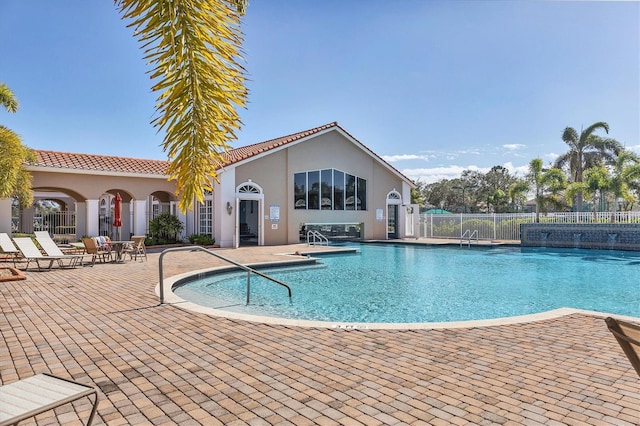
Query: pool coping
[172, 299]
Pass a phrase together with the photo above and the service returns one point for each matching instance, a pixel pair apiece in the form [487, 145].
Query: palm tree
[518, 193]
[193, 48]
[626, 172]
[15, 181]
[546, 184]
[596, 184]
[586, 150]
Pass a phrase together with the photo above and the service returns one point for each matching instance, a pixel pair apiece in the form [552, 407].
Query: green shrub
[164, 229]
[201, 240]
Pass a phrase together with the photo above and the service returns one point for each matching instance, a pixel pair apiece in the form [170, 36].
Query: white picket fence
[506, 226]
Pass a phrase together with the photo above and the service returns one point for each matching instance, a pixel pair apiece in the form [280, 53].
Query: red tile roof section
[104, 163]
[244, 152]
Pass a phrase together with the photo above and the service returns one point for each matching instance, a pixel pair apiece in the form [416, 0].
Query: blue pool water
[404, 284]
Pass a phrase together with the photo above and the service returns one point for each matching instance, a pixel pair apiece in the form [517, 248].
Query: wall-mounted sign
[274, 213]
[379, 215]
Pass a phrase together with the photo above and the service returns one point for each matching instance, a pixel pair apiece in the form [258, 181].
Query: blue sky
[435, 87]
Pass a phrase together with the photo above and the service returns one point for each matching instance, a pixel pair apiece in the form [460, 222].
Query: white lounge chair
[51, 249]
[43, 392]
[8, 249]
[31, 252]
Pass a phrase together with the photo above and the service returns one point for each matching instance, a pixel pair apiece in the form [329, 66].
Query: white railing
[60, 225]
[506, 226]
[315, 238]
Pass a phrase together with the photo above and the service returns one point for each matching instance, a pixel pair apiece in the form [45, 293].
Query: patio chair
[628, 336]
[8, 250]
[31, 252]
[51, 249]
[29, 397]
[137, 249]
[91, 247]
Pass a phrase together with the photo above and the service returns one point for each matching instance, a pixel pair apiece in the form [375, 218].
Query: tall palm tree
[15, 181]
[586, 150]
[546, 184]
[193, 47]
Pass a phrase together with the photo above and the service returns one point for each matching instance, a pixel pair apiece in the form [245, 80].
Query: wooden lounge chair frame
[138, 249]
[43, 392]
[91, 247]
[628, 336]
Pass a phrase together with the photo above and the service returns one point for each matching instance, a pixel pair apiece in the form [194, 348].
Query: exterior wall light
[229, 208]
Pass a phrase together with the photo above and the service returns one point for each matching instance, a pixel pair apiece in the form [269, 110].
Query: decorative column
[93, 218]
[5, 215]
[139, 217]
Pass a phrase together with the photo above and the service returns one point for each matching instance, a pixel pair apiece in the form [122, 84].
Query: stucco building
[268, 193]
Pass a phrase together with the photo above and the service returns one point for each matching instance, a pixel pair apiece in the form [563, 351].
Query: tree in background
[193, 48]
[15, 181]
[625, 179]
[417, 195]
[596, 182]
[586, 150]
[518, 192]
[493, 188]
[546, 184]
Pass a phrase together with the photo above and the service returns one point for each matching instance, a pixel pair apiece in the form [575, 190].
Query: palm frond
[570, 136]
[193, 47]
[586, 133]
[8, 99]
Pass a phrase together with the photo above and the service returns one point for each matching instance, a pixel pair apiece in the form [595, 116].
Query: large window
[361, 190]
[350, 192]
[313, 196]
[205, 215]
[326, 177]
[300, 190]
[338, 190]
[329, 189]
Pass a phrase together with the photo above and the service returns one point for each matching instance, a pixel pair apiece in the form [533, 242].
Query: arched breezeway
[70, 205]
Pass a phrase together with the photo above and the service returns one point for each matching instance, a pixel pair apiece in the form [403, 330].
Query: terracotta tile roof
[103, 163]
[115, 164]
[244, 152]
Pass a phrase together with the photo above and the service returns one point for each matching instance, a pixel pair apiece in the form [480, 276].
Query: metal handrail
[469, 235]
[316, 236]
[226, 259]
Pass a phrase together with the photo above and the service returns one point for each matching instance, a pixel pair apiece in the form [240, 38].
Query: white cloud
[513, 146]
[519, 171]
[551, 156]
[434, 174]
[430, 175]
[634, 148]
[404, 157]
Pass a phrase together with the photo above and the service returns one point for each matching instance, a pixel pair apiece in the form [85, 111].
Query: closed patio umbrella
[117, 215]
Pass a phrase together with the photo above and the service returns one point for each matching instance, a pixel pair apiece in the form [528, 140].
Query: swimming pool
[416, 284]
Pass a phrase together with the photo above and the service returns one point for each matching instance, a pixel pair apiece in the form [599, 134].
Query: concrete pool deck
[161, 364]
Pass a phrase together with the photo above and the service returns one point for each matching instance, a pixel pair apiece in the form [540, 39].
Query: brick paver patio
[164, 365]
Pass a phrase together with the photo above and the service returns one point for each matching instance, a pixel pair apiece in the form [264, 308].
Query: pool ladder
[316, 238]
[468, 236]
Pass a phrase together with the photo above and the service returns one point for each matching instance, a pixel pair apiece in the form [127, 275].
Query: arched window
[248, 188]
[394, 197]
